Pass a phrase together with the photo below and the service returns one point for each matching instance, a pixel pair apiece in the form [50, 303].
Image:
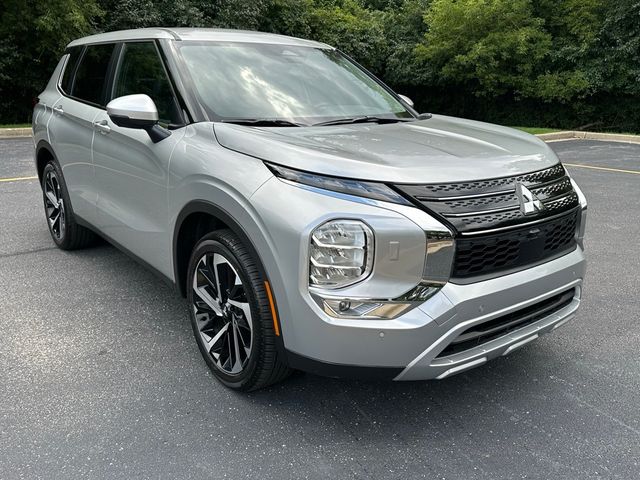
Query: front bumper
[450, 312]
[428, 364]
[406, 347]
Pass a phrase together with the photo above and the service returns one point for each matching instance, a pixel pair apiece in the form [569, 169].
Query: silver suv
[311, 217]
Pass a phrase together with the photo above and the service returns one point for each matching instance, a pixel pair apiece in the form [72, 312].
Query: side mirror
[137, 111]
[406, 100]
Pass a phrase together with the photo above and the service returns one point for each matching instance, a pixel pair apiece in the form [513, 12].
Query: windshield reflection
[300, 84]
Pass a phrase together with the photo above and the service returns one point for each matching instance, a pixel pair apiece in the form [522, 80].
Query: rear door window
[141, 71]
[91, 76]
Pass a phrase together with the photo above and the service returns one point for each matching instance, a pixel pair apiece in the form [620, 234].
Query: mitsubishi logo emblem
[529, 203]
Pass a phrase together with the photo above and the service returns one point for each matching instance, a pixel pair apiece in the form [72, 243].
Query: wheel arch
[44, 153]
[195, 220]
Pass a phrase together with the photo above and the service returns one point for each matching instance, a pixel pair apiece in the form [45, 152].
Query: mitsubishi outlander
[310, 216]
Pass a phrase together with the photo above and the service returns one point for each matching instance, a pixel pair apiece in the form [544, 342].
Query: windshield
[302, 85]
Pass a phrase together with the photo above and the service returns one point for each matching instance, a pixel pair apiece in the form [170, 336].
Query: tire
[219, 320]
[64, 230]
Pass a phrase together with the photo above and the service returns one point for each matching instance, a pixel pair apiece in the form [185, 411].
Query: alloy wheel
[222, 313]
[54, 205]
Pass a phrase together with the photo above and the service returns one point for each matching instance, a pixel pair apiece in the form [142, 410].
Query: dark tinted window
[70, 67]
[141, 71]
[91, 76]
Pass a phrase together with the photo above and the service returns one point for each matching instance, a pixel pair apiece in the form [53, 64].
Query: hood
[438, 150]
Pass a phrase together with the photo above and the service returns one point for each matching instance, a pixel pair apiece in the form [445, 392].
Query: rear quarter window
[69, 68]
[90, 79]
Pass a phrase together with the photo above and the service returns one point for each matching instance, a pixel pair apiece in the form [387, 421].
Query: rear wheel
[231, 315]
[65, 232]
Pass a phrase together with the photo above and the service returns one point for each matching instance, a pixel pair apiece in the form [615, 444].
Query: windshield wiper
[363, 119]
[263, 122]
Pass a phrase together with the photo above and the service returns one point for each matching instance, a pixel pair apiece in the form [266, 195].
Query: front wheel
[231, 314]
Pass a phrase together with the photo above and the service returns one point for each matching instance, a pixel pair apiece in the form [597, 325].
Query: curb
[575, 135]
[15, 132]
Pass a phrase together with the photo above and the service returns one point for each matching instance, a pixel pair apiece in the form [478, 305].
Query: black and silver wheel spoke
[54, 204]
[222, 313]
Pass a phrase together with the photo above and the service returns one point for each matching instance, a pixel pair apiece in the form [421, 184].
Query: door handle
[102, 127]
[58, 109]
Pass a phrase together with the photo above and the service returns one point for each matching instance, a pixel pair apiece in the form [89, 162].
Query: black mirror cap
[155, 131]
[127, 122]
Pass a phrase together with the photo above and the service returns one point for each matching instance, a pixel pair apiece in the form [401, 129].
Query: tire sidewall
[53, 166]
[208, 245]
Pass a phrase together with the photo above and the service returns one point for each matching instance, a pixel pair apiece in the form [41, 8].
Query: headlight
[340, 253]
[376, 191]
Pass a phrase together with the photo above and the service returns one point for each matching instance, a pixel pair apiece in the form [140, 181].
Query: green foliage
[489, 46]
[537, 131]
[565, 63]
[287, 17]
[615, 59]
[404, 28]
[124, 14]
[34, 33]
[355, 30]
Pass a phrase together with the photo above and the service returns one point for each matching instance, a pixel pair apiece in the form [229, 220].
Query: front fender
[208, 178]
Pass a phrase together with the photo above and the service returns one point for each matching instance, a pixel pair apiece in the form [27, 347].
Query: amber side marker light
[272, 305]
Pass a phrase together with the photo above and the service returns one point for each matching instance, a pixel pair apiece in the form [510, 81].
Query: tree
[287, 17]
[349, 26]
[616, 54]
[125, 14]
[554, 62]
[404, 30]
[34, 35]
[490, 47]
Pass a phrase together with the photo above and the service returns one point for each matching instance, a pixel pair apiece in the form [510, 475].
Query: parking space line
[17, 179]
[606, 169]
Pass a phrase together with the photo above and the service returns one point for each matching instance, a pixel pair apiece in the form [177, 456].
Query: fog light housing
[340, 254]
[374, 309]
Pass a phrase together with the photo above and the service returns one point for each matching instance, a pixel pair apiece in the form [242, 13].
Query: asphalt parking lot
[100, 376]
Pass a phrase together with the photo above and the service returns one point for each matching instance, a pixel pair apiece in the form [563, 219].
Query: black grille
[490, 204]
[492, 329]
[487, 254]
[493, 234]
[485, 186]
